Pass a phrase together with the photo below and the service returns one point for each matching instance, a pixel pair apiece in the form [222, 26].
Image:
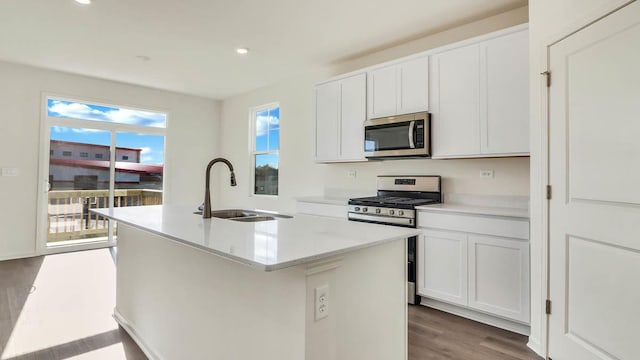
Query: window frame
[46, 122]
[253, 111]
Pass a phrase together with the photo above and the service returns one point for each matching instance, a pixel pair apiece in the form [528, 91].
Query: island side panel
[367, 305]
[183, 303]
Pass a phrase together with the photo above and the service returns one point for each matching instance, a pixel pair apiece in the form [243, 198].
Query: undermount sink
[244, 215]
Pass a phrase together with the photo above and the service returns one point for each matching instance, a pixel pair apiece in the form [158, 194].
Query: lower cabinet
[479, 271]
[444, 258]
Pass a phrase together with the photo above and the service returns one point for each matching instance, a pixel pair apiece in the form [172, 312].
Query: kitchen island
[306, 287]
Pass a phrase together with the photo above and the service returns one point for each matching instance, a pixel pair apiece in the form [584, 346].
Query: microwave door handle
[411, 135]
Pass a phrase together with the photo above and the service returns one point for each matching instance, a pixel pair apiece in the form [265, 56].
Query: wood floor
[59, 307]
[436, 335]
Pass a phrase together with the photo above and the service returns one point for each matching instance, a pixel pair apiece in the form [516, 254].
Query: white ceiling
[192, 43]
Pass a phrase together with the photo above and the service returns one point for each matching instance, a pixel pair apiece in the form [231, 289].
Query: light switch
[10, 172]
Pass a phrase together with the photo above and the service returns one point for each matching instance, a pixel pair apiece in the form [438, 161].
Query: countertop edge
[477, 210]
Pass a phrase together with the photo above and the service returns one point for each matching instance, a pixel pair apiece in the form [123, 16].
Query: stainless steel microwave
[398, 136]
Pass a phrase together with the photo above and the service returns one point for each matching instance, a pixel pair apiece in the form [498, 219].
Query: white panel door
[504, 95]
[442, 257]
[499, 276]
[414, 85]
[595, 173]
[455, 103]
[353, 112]
[327, 121]
[382, 92]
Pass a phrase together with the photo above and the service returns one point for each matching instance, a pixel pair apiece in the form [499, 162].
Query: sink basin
[232, 213]
[245, 215]
[253, 218]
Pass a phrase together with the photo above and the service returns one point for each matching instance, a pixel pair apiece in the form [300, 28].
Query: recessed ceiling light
[84, 2]
[242, 51]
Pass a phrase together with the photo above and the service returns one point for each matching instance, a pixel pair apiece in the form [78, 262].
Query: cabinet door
[442, 264]
[327, 121]
[382, 92]
[499, 276]
[505, 95]
[454, 102]
[414, 85]
[353, 114]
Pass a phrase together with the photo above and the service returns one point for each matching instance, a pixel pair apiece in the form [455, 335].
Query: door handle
[411, 135]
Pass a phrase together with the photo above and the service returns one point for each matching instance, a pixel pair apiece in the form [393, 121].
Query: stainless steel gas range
[395, 205]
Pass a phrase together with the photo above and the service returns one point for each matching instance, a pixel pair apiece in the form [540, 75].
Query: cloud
[264, 123]
[146, 150]
[122, 116]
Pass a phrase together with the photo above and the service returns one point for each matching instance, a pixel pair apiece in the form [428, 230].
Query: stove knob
[391, 212]
[365, 209]
[357, 208]
[400, 212]
[377, 211]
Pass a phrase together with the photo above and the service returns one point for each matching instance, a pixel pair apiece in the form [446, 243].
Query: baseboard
[534, 344]
[17, 256]
[513, 326]
[134, 335]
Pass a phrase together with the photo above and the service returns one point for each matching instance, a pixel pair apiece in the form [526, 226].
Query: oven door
[403, 136]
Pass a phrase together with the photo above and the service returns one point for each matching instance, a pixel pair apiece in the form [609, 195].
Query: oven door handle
[388, 220]
[412, 144]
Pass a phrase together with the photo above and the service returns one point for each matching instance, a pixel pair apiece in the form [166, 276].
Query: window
[50, 152]
[95, 136]
[265, 134]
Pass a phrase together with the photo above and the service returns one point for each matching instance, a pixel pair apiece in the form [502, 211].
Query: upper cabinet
[340, 114]
[479, 99]
[477, 92]
[399, 88]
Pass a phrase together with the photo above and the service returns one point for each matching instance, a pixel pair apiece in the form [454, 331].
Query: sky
[152, 145]
[268, 136]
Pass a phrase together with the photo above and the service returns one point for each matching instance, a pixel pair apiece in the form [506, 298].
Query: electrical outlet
[486, 174]
[351, 174]
[322, 302]
[10, 172]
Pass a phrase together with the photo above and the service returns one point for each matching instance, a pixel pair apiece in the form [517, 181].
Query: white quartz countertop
[477, 209]
[268, 245]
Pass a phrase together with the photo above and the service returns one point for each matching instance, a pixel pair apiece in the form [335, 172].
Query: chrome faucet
[206, 211]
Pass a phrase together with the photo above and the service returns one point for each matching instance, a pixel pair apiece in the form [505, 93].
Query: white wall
[191, 141]
[300, 176]
[549, 21]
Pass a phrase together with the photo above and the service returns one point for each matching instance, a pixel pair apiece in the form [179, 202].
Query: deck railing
[69, 216]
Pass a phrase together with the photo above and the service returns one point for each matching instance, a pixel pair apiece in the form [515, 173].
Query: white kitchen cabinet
[476, 262]
[340, 114]
[443, 262]
[455, 102]
[499, 276]
[505, 113]
[400, 88]
[479, 99]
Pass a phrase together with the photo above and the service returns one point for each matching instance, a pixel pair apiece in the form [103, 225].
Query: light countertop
[267, 245]
[477, 210]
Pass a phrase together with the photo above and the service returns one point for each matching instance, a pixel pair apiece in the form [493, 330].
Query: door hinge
[548, 192]
[547, 74]
[547, 307]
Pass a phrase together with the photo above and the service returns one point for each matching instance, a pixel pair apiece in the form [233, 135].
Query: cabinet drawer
[489, 225]
[330, 210]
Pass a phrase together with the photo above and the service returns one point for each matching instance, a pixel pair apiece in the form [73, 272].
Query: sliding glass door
[96, 156]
